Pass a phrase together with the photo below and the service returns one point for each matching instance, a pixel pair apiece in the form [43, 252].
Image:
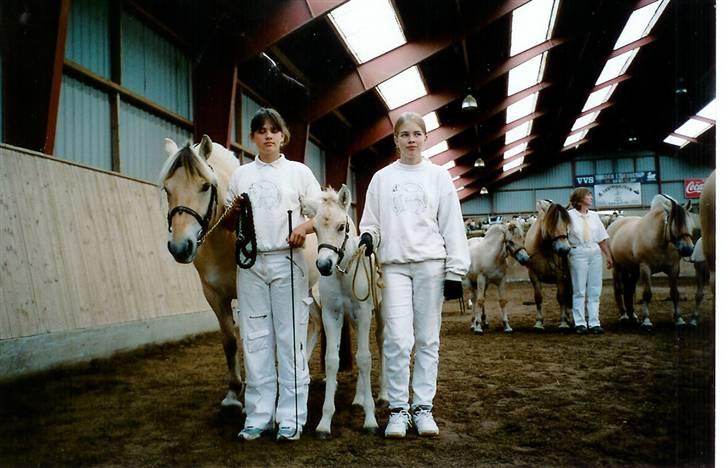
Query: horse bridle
[204, 222]
[668, 226]
[338, 250]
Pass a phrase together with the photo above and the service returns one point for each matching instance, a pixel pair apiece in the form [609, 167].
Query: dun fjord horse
[488, 265]
[644, 246]
[347, 285]
[548, 247]
[704, 253]
[195, 180]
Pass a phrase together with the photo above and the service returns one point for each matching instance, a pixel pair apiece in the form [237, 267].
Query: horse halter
[671, 238]
[204, 222]
[338, 250]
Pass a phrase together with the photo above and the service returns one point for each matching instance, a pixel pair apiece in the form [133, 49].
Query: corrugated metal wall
[316, 161]
[87, 40]
[154, 68]
[249, 107]
[674, 169]
[141, 141]
[83, 128]
[479, 204]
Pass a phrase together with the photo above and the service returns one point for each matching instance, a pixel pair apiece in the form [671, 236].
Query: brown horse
[644, 246]
[195, 180]
[548, 248]
[704, 255]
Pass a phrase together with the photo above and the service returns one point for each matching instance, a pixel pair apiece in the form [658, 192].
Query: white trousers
[412, 308]
[264, 299]
[585, 264]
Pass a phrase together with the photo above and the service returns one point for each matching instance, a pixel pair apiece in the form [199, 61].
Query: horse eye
[341, 227]
[205, 187]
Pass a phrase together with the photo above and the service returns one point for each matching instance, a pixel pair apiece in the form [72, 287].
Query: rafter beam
[632, 45]
[467, 193]
[289, 16]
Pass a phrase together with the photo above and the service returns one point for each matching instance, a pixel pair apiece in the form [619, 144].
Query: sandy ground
[624, 398]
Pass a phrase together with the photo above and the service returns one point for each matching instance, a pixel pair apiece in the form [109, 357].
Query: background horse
[347, 285]
[195, 180]
[643, 246]
[548, 247]
[704, 254]
[488, 265]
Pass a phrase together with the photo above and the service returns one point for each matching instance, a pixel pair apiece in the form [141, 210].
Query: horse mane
[329, 196]
[191, 163]
[554, 215]
[678, 213]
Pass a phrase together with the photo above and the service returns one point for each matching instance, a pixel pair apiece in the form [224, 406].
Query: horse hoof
[478, 331]
[508, 330]
[322, 435]
[693, 324]
[680, 322]
[646, 328]
[370, 430]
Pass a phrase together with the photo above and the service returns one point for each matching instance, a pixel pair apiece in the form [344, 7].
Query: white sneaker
[425, 423]
[399, 422]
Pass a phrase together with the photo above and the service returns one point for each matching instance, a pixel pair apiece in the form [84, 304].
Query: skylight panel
[455, 178]
[522, 108]
[616, 66]
[515, 150]
[677, 141]
[519, 132]
[709, 111]
[692, 128]
[515, 163]
[431, 121]
[437, 149]
[640, 23]
[598, 97]
[584, 120]
[532, 24]
[449, 165]
[460, 188]
[571, 139]
[524, 75]
[402, 88]
[369, 28]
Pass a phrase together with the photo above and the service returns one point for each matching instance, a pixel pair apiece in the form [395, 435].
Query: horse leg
[314, 328]
[675, 296]
[538, 299]
[480, 321]
[224, 313]
[630, 279]
[702, 276]
[333, 319]
[618, 287]
[562, 296]
[502, 301]
[646, 280]
[363, 313]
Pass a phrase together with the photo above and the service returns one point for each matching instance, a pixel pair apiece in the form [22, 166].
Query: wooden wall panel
[83, 248]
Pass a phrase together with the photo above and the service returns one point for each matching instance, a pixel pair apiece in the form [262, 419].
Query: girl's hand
[298, 236]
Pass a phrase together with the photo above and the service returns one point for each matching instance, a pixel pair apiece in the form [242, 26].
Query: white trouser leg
[398, 332]
[292, 393]
[594, 286]
[256, 332]
[428, 298]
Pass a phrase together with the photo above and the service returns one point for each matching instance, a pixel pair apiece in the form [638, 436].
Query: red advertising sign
[693, 188]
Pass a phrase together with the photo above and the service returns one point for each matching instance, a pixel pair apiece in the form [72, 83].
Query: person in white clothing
[412, 215]
[274, 185]
[588, 239]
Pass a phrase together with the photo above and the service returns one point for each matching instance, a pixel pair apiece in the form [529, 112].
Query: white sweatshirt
[274, 188]
[413, 215]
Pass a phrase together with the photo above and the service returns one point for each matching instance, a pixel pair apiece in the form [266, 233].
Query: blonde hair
[410, 117]
[578, 195]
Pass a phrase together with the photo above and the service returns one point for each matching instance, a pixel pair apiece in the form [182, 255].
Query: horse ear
[688, 205]
[205, 147]
[309, 208]
[344, 197]
[542, 207]
[170, 147]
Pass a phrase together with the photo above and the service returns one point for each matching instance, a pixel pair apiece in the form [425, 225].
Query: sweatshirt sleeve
[370, 221]
[452, 229]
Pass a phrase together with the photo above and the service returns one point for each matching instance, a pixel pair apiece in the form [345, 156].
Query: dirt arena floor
[548, 399]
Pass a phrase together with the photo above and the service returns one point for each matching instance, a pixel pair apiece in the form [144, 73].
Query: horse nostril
[324, 266]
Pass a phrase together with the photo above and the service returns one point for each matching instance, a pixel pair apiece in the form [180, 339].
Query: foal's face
[330, 227]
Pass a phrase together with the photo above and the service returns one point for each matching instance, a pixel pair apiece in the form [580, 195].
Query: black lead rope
[246, 247]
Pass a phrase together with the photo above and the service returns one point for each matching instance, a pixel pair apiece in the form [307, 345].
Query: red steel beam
[467, 193]
[632, 45]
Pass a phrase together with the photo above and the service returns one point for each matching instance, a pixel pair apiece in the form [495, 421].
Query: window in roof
[515, 163]
[437, 149]
[460, 188]
[640, 23]
[521, 108]
[515, 150]
[402, 88]
[598, 97]
[519, 132]
[455, 178]
[692, 128]
[571, 139]
[584, 120]
[709, 110]
[526, 74]
[532, 24]
[431, 121]
[677, 141]
[616, 66]
[369, 28]
[448, 165]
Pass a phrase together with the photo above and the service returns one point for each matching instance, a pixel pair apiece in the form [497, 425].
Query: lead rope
[245, 242]
[371, 283]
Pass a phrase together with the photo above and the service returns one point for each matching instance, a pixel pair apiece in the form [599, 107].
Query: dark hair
[577, 196]
[268, 114]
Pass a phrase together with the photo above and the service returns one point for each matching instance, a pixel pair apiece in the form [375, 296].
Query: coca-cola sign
[693, 188]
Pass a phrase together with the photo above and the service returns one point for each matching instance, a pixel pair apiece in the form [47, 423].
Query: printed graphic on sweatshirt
[265, 195]
[409, 197]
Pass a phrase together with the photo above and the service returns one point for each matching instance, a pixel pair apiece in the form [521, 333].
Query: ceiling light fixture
[479, 163]
[469, 103]
[484, 191]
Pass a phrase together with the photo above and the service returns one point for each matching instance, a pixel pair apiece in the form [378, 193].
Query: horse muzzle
[684, 247]
[324, 266]
[522, 257]
[560, 247]
[183, 251]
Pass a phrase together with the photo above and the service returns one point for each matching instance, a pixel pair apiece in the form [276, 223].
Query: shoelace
[399, 416]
